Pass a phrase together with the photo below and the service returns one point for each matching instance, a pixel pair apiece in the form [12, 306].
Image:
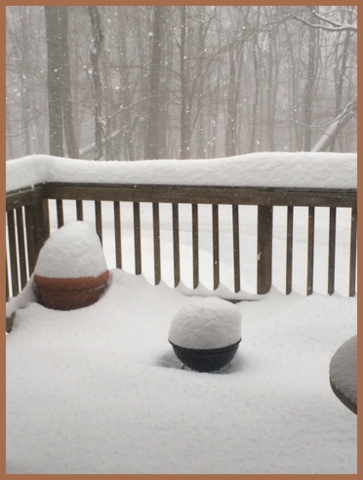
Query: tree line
[139, 82]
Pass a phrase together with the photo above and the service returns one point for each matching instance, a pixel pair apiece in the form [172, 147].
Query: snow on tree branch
[338, 123]
[333, 25]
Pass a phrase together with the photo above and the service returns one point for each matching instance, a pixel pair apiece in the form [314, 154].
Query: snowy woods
[138, 82]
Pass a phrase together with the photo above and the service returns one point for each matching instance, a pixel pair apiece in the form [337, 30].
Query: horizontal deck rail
[316, 197]
[28, 226]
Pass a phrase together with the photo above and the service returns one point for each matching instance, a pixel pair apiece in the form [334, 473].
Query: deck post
[264, 248]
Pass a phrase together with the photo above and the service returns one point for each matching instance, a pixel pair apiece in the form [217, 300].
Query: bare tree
[67, 104]
[60, 105]
[185, 110]
[156, 137]
[54, 81]
[310, 83]
[96, 48]
[26, 90]
[186, 81]
[317, 23]
[256, 97]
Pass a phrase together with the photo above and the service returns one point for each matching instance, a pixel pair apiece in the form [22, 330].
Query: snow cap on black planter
[206, 323]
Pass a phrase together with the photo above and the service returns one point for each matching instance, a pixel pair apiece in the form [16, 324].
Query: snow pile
[206, 323]
[99, 390]
[27, 171]
[266, 169]
[72, 251]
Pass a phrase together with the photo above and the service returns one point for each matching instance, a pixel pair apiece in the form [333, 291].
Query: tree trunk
[252, 142]
[67, 105]
[97, 41]
[184, 116]
[125, 95]
[295, 142]
[156, 145]
[340, 74]
[309, 86]
[231, 123]
[273, 69]
[54, 81]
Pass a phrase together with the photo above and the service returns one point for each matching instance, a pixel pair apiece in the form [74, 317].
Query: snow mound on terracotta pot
[72, 251]
[206, 323]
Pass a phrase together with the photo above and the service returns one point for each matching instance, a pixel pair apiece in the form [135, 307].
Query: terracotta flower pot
[70, 293]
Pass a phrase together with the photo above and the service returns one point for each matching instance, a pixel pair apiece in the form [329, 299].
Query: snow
[206, 323]
[72, 251]
[277, 169]
[100, 390]
[27, 296]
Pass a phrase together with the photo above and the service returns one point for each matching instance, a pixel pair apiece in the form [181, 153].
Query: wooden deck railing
[28, 226]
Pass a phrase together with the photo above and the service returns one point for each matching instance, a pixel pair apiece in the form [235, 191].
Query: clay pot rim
[78, 283]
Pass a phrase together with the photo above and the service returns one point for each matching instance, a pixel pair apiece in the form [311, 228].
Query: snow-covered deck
[100, 390]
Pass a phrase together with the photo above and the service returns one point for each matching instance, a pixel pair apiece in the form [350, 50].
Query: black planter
[203, 360]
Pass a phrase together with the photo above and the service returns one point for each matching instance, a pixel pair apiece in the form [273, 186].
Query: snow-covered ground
[100, 390]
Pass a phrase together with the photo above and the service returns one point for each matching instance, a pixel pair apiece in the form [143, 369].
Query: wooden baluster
[98, 217]
[137, 238]
[176, 244]
[13, 253]
[79, 208]
[7, 282]
[40, 224]
[215, 233]
[236, 249]
[60, 213]
[332, 247]
[310, 265]
[156, 235]
[264, 248]
[289, 248]
[117, 224]
[30, 238]
[21, 247]
[353, 252]
[195, 242]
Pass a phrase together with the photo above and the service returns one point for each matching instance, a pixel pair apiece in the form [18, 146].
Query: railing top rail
[24, 197]
[247, 195]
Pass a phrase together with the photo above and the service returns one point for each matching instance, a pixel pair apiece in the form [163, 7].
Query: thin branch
[334, 23]
[334, 27]
[336, 125]
[350, 107]
[107, 118]
[16, 134]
